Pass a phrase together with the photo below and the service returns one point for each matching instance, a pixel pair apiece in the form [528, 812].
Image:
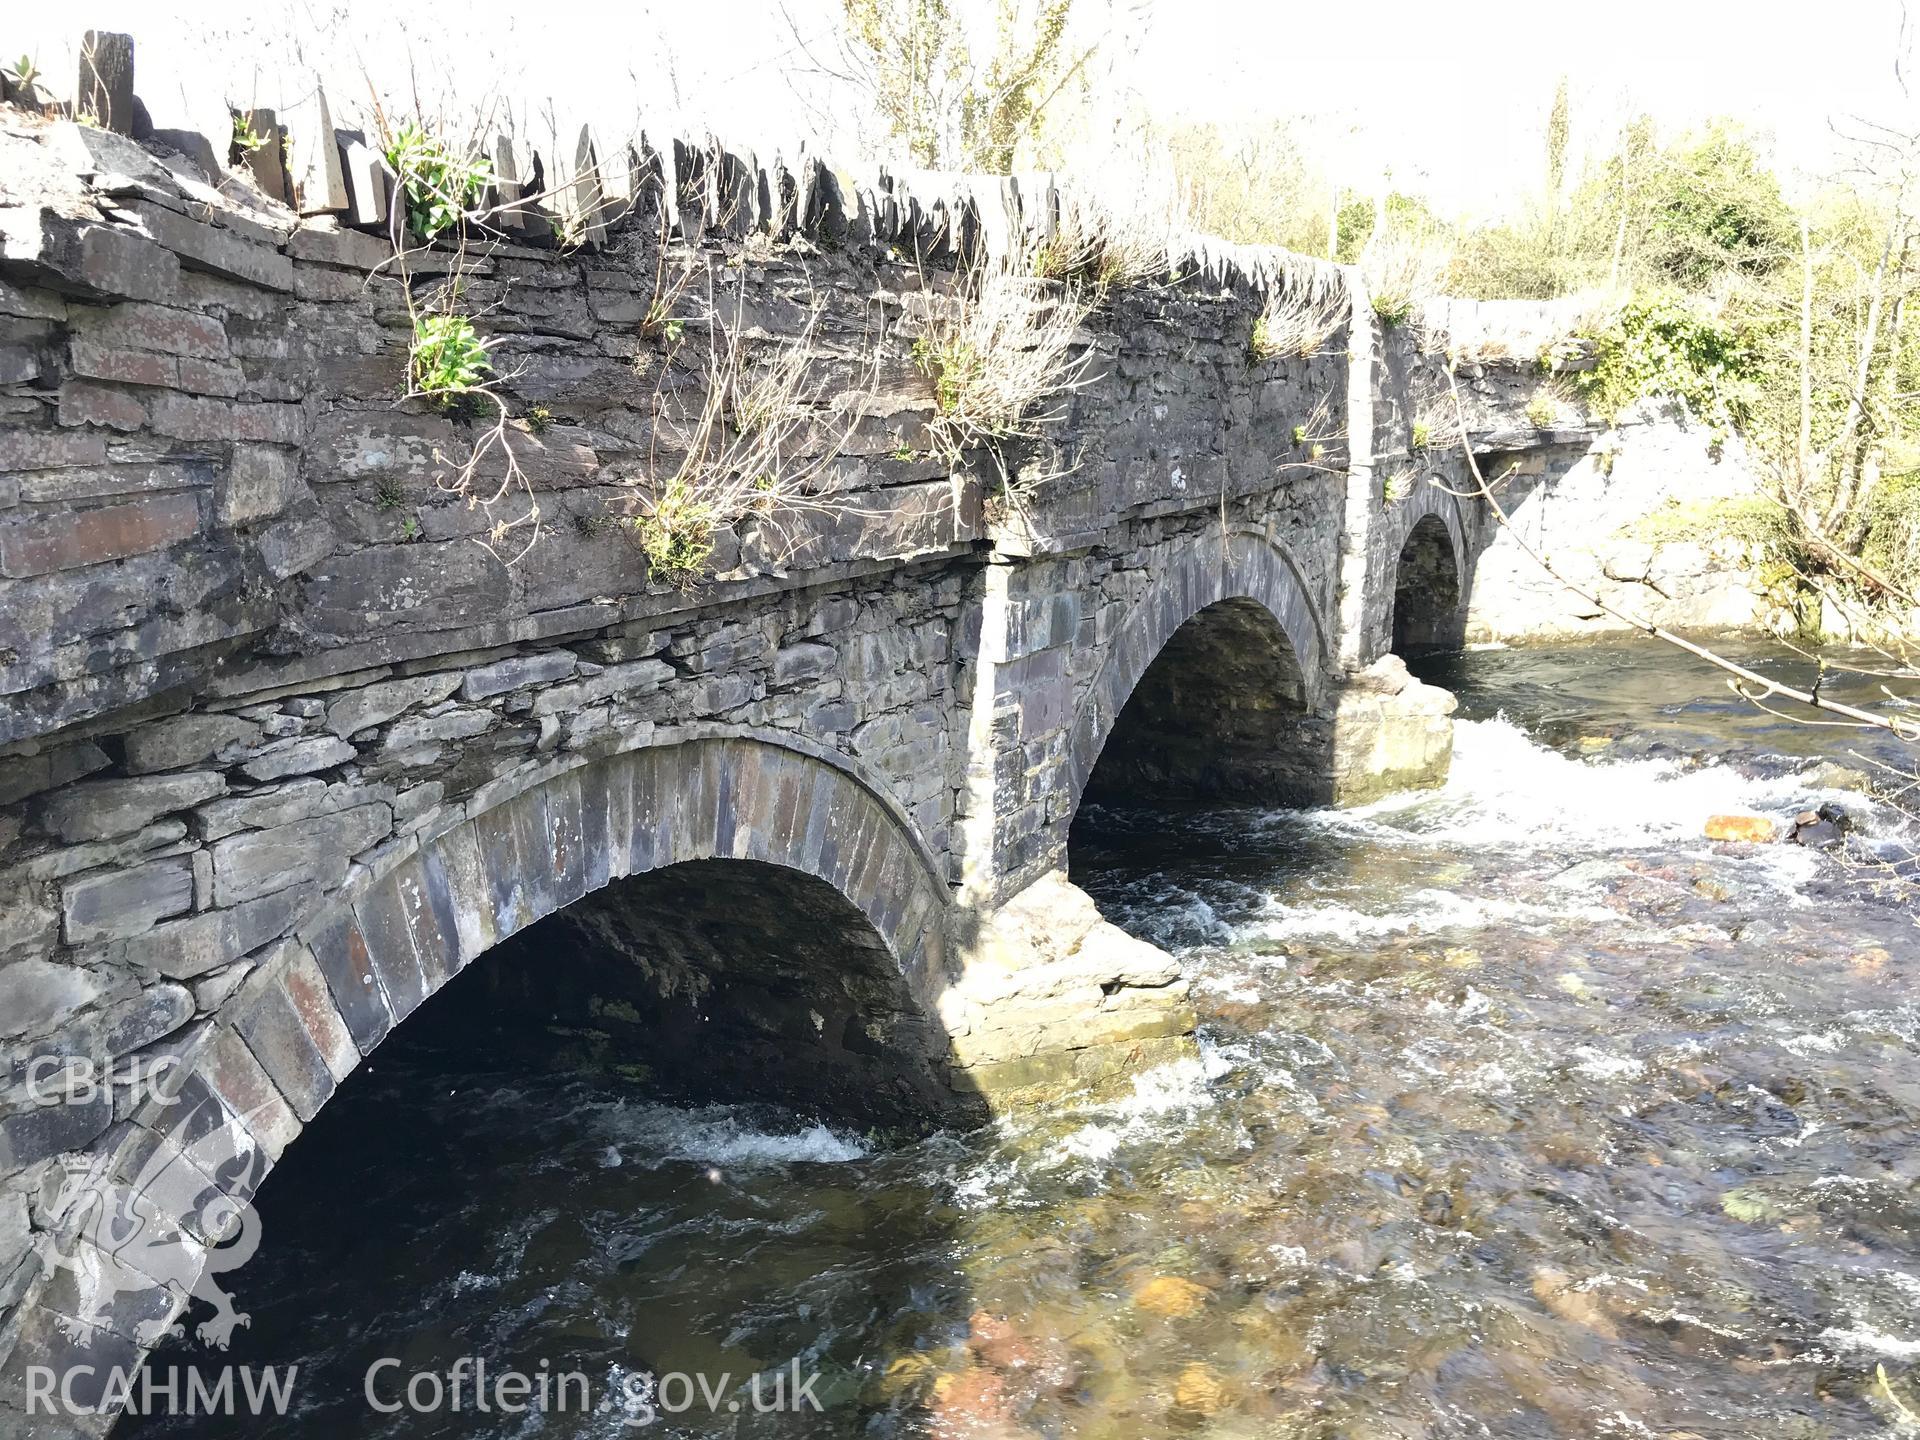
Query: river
[1521, 1109]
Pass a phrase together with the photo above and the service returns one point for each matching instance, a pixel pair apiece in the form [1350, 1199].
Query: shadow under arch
[274, 1055]
[1432, 573]
[1212, 686]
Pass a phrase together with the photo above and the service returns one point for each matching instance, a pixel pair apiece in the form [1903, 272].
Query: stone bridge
[285, 745]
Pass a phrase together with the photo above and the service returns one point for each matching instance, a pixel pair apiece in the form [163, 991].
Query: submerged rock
[1752, 829]
[1200, 1390]
[1171, 1296]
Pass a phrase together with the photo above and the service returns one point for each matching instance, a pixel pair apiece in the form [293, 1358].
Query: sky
[1452, 98]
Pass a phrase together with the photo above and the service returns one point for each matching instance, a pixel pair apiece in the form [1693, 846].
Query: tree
[1559, 124]
[1716, 208]
[940, 108]
[1249, 184]
[1360, 219]
[916, 60]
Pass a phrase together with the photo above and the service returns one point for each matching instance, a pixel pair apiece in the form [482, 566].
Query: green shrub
[1659, 347]
[449, 359]
[1753, 519]
[952, 364]
[441, 187]
[1393, 309]
[675, 532]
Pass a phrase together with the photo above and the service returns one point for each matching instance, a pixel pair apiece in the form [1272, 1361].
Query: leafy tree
[1249, 184]
[1690, 214]
[942, 109]
[1714, 208]
[917, 59]
[1559, 125]
[1001, 108]
[1404, 213]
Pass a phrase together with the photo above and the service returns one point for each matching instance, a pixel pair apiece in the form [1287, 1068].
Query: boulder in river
[1821, 828]
[1755, 829]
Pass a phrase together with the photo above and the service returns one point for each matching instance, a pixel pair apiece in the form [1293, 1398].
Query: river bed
[1521, 1109]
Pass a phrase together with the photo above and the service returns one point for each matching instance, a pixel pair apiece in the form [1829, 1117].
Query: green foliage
[1692, 214]
[1892, 544]
[539, 419]
[942, 109]
[1715, 207]
[1002, 106]
[246, 139]
[1248, 183]
[1406, 214]
[952, 364]
[1422, 436]
[1393, 309]
[1262, 347]
[1659, 346]
[24, 78]
[410, 529]
[1752, 519]
[675, 532]
[448, 357]
[441, 185]
[660, 321]
[1541, 411]
[388, 495]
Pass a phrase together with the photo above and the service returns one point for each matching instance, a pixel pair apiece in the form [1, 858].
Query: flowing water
[1521, 1109]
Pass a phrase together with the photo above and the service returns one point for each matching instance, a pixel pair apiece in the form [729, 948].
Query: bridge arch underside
[1213, 690]
[1219, 715]
[727, 912]
[723, 979]
[1429, 588]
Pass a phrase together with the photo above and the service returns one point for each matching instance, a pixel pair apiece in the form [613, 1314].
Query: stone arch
[1430, 571]
[272, 1056]
[1244, 566]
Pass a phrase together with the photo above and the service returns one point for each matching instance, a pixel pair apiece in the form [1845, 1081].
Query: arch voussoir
[322, 1000]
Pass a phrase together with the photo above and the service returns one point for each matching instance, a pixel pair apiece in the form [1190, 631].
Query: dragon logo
[177, 1225]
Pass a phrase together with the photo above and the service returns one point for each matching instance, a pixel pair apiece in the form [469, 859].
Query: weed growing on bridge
[1401, 270]
[1100, 249]
[442, 184]
[245, 139]
[1005, 345]
[759, 447]
[23, 80]
[675, 529]
[1542, 411]
[448, 359]
[1298, 320]
[1314, 435]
